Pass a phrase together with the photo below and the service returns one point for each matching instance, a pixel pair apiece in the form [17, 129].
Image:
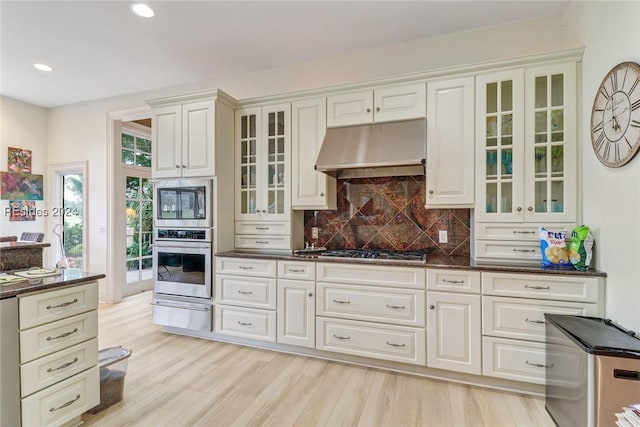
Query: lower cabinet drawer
[51, 337]
[504, 250]
[54, 305]
[63, 401]
[514, 360]
[245, 322]
[254, 292]
[376, 304]
[263, 242]
[48, 370]
[521, 318]
[397, 343]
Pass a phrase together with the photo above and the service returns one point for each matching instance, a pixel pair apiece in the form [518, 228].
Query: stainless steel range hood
[381, 149]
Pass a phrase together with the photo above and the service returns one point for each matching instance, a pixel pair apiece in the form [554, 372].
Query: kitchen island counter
[440, 261]
[68, 277]
[19, 255]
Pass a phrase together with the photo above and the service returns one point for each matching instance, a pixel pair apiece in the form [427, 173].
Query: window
[136, 149]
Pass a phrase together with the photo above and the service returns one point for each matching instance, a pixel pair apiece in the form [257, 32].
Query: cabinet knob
[368, 110]
[177, 166]
[310, 294]
[184, 166]
[430, 191]
[519, 208]
[321, 194]
[377, 108]
[432, 307]
[530, 208]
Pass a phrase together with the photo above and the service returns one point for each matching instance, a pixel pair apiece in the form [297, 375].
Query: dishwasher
[593, 370]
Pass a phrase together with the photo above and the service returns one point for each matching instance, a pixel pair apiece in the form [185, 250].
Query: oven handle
[172, 244]
[180, 306]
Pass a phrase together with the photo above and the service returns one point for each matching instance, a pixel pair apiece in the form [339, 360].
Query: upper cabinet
[310, 189]
[263, 162]
[450, 143]
[380, 105]
[526, 145]
[184, 134]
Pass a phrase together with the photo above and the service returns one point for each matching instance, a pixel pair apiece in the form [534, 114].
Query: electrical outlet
[314, 232]
[442, 236]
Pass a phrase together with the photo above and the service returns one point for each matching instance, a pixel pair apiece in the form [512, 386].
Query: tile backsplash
[388, 213]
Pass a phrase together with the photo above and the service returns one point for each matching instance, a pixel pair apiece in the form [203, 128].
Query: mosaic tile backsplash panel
[388, 213]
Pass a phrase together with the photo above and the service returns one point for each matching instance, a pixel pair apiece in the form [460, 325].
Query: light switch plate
[442, 236]
[314, 232]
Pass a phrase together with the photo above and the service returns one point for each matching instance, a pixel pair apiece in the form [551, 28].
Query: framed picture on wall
[22, 210]
[21, 186]
[19, 160]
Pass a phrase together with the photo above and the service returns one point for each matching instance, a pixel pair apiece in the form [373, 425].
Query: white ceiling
[100, 49]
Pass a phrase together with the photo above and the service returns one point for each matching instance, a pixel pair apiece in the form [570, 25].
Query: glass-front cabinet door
[263, 158]
[500, 146]
[550, 139]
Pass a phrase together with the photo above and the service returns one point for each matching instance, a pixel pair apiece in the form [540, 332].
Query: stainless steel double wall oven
[183, 253]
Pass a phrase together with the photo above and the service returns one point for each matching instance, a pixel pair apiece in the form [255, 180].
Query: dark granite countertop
[8, 246]
[459, 263]
[68, 277]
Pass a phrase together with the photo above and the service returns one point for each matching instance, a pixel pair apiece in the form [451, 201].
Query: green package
[580, 248]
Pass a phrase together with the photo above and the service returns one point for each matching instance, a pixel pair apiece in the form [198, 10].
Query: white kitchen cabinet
[58, 356]
[310, 189]
[185, 132]
[513, 323]
[526, 147]
[454, 336]
[263, 178]
[450, 148]
[385, 104]
[296, 314]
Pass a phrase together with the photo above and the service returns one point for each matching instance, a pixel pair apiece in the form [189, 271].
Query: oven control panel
[197, 234]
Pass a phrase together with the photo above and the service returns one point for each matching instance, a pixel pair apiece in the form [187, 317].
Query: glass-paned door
[500, 130]
[139, 229]
[248, 162]
[276, 162]
[72, 216]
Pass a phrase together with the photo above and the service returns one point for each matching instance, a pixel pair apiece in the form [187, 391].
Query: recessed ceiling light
[142, 9]
[42, 67]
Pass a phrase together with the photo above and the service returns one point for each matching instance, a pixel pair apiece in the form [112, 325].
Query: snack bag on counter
[554, 248]
[580, 248]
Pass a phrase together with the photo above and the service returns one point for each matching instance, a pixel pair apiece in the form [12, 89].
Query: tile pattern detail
[388, 213]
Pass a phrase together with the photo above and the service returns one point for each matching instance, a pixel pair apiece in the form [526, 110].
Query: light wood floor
[181, 381]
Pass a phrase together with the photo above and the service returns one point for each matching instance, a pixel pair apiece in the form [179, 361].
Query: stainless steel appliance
[377, 254]
[182, 259]
[183, 203]
[593, 370]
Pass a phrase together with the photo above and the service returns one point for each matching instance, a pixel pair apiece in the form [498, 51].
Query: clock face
[615, 117]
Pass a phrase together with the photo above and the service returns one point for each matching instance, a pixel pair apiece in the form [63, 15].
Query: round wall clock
[615, 117]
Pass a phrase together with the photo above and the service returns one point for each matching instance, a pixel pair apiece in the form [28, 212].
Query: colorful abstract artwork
[19, 160]
[22, 210]
[21, 186]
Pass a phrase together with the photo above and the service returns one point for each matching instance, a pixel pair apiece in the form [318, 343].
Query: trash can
[112, 362]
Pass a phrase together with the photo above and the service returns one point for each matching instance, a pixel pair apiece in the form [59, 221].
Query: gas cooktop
[377, 254]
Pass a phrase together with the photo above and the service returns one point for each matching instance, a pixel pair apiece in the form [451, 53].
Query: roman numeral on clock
[598, 128]
[635, 105]
[604, 92]
[635, 124]
[598, 142]
[614, 81]
[633, 87]
[607, 150]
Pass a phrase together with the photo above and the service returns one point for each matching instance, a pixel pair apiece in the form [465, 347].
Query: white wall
[23, 125]
[611, 196]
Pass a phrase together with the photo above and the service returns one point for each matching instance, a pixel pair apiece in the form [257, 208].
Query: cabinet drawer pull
[64, 365]
[537, 287]
[296, 270]
[262, 228]
[262, 242]
[337, 301]
[244, 323]
[539, 322]
[64, 304]
[66, 334]
[245, 292]
[455, 282]
[64, 405]
[524, 250]
[395, 345]
[242, 267]
[340, 337]
[396, 306]
[540, 365]
[523, 232]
